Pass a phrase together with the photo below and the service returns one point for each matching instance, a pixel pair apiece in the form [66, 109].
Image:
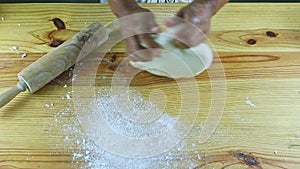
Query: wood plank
[266, 73]
[227, 35]
[242, 127]
[255, 65]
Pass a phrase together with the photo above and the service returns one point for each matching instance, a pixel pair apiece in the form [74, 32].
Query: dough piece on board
[174, 62]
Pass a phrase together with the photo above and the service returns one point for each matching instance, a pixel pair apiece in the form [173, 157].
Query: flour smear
[86, 154]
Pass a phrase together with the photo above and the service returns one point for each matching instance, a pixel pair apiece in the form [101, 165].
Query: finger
[173, 21]
[155, 29]
[135, 57]
[192, 38]
[194, 29]
[188, 43]
[170, 22]
[132, 46]
[143, 56]
[181, 12]
[152, 25]
[153, 48]
[188, 36]
[180, 44]
[148, 41]
[135, 52]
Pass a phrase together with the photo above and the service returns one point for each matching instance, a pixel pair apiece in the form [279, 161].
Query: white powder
[248, 102]
[68, 96]
[87, 154]
[23, 55]
[134, 105]
[49, 105]
[137, 118]
[13, 48]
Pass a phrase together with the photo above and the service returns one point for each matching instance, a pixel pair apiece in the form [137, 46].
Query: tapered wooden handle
[46, 68]
[11, 93]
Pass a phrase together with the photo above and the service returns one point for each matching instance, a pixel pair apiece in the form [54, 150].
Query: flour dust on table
[88, 155]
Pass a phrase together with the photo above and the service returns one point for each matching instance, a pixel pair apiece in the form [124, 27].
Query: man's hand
[197, 16]
[137, 25]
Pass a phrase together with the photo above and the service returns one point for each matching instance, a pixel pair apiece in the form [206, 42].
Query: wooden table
[258, 44]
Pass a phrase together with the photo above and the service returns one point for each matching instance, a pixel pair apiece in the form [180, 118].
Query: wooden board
[267, 73]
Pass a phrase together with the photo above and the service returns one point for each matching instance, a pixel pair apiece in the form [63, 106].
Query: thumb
[155, 29]
[173, 21]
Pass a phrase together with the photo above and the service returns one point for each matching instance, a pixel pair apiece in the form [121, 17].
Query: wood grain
[266, 72]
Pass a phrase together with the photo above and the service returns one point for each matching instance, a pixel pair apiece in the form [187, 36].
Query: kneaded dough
[174, 62]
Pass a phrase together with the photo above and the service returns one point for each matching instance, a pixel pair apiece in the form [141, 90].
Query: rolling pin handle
[12, 93]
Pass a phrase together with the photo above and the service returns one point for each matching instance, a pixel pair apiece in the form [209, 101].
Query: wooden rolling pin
[45, 69]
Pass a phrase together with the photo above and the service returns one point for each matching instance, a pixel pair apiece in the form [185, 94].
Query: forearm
[122, 7]
[213, 5]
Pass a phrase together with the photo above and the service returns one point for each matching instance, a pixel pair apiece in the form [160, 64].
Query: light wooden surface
[266, 72]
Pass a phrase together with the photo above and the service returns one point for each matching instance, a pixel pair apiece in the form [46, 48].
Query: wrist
[211, 6]
[123, 7]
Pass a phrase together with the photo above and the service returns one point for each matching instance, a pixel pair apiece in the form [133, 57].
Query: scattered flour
[16, 49]
[68, 96]
[24, 55]
[248, 102]
[49, 105]
[88, 155]
[13, 48]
